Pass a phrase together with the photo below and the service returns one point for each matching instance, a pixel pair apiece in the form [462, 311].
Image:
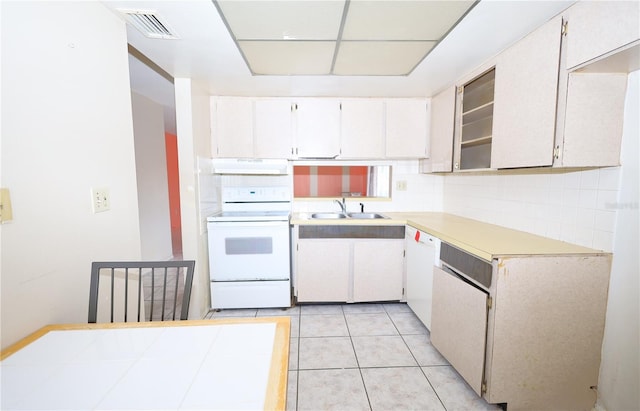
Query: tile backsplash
[576, 206]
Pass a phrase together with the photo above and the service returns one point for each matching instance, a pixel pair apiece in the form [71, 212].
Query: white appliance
[249, 243]
[423, 253]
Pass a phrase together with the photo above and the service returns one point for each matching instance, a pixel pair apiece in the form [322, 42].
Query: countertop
[487, 241]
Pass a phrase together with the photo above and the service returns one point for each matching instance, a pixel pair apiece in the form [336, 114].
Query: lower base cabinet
[532, 338]
[378, 270]
[349, 269]
[322, 270]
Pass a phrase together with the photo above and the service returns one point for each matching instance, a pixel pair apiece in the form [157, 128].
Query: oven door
[249, 250]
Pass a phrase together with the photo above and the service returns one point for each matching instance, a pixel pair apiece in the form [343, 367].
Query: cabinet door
[377, 270]
[407, 122]
[598, 27]
[273, 128]
[319, 278]
[318, 128]
[459, 325]
[362, 128]
[593, 119]
[233, 125]
[526, 89]
[443, 108]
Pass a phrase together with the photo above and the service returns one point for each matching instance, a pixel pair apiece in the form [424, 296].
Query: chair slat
[164, 267]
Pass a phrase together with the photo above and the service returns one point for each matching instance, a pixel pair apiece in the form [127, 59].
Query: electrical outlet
[401, 185]
[100, 200]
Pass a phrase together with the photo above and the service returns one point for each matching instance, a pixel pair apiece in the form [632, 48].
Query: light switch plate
[401, 185]
[100, 200]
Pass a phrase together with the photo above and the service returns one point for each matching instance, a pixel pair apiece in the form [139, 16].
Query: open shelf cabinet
[474, 123]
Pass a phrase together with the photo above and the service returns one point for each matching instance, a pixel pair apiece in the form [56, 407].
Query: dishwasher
[460, 312]
[423, 253]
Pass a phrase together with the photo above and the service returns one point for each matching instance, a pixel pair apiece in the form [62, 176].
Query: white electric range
[249, 248]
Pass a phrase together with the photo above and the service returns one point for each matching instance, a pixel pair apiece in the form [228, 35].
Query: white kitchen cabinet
[348, 263]
[232, 127]
[596, 28]
[406, 128]
[317, 128]
[441, 136]
[377, 270]
[273, 128]
[525, 94]
[362, 128]
[322, 270]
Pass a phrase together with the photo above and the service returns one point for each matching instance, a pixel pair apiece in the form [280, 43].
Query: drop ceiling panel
[281, 20]
[402, 20]
[286, 58]
[380, 58]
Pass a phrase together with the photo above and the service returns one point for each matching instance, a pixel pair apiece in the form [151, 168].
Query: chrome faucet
[343, 205]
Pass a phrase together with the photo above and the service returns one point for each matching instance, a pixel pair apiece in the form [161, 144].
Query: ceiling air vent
[149, 23]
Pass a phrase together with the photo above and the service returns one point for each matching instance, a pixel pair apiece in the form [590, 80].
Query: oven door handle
[247, 223]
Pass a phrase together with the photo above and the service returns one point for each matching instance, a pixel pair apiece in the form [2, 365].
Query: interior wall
[173, 177]
[66, 127]
[572, 206]
[620, 368]
[152, 179]
[194, 152]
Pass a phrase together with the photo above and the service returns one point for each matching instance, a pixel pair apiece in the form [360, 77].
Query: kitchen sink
[328, 216]
[365, 215]
[337, 216]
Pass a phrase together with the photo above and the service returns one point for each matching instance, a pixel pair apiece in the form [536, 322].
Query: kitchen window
[341, 181]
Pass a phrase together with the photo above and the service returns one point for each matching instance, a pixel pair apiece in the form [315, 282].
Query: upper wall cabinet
[407, 125]
[441, 135]
[317, 128]
[526, 88]
[601, 46]
[597, 28]
[232, 127]
[362, 128]
[593, 120]
[273, 128]
[474, 123]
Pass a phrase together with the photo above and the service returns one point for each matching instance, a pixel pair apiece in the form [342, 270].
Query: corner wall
[152, 179]
[66, 127]
[194, 152]
[620, 367]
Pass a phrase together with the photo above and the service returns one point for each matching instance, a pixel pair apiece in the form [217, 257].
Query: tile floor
[160, 292]
[365, 357]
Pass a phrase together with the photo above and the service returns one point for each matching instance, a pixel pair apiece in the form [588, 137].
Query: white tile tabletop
[211, 364]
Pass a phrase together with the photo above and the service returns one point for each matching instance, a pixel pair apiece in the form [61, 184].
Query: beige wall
[151, 176]
[66, 127]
